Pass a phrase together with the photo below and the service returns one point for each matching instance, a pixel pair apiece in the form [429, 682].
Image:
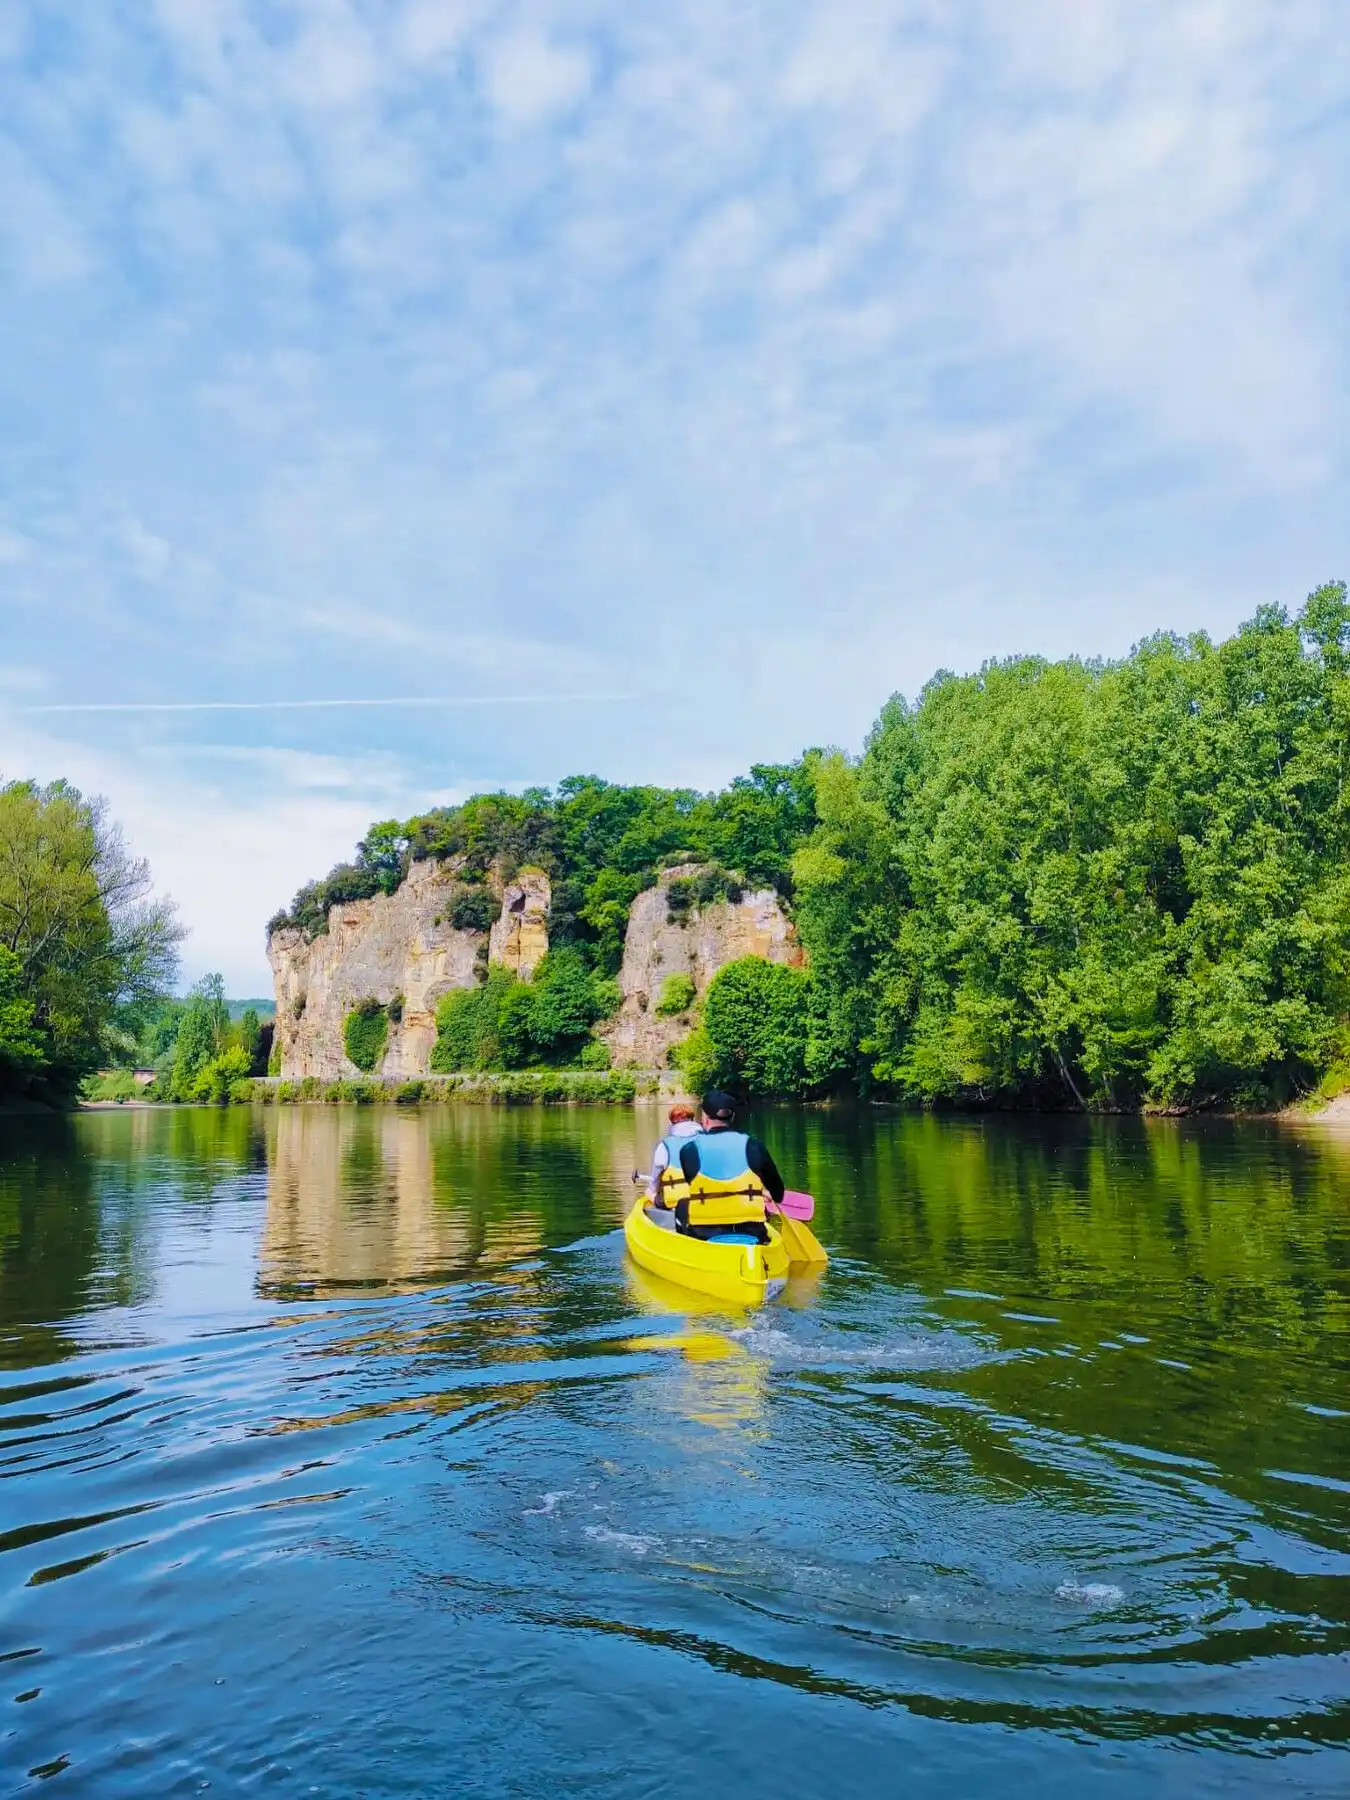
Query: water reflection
[365, 1199]
[351, 1442]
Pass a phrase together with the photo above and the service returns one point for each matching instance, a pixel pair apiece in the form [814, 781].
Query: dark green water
[342, 1454]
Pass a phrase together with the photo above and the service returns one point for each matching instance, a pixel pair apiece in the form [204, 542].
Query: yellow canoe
[743, 1274]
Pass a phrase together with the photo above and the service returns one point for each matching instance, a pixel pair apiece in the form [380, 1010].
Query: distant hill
[265, 1009]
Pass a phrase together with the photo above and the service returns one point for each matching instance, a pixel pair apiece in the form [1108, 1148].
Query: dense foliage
[1095, 883]
[677, 995]
[1047, 883]
[199, 1048]
[86, 951]
[600, 844]
[754, 1031]
[510, 1024]
[365, 1032]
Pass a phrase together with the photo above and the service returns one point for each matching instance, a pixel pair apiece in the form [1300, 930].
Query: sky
[643, 390]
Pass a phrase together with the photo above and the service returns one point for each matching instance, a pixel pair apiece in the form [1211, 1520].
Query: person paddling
[729, 1174]
[666, 1172]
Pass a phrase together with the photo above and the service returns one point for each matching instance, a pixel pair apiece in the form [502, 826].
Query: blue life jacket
[672, 1176]
[674, 1145]
[721, 1155]
[726, 1191]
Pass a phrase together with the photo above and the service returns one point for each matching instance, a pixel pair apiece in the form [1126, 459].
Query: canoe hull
[741, 1274]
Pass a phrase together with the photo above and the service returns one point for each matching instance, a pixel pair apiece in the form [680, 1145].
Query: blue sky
[671, 383]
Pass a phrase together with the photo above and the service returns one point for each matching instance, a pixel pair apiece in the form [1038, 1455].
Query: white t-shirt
[661, 1156]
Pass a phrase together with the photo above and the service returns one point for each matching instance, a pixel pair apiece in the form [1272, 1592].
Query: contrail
[184, 706]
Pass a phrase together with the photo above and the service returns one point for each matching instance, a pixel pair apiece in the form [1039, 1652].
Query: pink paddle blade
[798, 1206]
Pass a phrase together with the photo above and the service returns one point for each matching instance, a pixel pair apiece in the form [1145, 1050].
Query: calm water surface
[342, 1453]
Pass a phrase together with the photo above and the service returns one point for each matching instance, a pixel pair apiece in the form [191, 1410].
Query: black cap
[718, 1105]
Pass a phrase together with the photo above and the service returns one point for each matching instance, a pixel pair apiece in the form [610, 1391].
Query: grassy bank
[545, 1087]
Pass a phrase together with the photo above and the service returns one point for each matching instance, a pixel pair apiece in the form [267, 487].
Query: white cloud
[14, 546]
[530, 79]
[229, 853]
[430, 29]
[420, 347]
[39, 238]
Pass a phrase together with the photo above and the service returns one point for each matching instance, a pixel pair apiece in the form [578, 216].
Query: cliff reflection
[385, 1200]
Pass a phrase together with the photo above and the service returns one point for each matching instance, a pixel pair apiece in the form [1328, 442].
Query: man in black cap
[725, 1158]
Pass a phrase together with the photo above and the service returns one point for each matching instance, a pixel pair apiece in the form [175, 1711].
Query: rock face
[655, 948]
[373, 949]
[403, 944]
[519, 939]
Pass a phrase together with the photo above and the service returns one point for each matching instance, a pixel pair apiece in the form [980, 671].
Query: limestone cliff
[403, 945]
[657, 946]
[519, 939]
[395, 944]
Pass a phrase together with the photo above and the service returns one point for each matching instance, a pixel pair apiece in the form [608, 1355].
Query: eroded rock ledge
[658, 945]
[399, 946]
[402, 948]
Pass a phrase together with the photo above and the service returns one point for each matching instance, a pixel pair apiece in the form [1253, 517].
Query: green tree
[383, 851]
[1097, 883]
[566, 1001]
[756, 1022]
[203, 1035]
[609, 899]
[93, 951]
[21, 1045]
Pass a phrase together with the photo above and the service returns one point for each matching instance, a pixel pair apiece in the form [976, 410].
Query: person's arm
[762, 1164]
[660, 1161]
[689, 1163]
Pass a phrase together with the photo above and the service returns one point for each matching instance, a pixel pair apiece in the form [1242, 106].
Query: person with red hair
[683, 1125]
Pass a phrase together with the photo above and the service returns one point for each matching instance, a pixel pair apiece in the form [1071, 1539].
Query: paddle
[800, 1242]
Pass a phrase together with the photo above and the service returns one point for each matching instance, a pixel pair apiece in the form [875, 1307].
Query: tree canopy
[600, 843]
[1096, 883]
[86, 950]
[1044, 883]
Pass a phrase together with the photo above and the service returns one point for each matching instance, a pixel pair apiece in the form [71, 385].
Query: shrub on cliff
[567, 999]
[686, 892]
[754, 1031]
[510, 1024]
[468, 1025]
[677, 995]
[365, 1032]
[473, 909]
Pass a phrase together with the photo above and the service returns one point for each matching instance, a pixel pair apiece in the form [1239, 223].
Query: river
[342, 1453]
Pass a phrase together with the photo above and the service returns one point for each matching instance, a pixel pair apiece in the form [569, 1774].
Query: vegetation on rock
[686, 893]
[472, 910]
[365, 1032]
[507, 1023]
[677, 995]
[599, 843]
[1103, 884]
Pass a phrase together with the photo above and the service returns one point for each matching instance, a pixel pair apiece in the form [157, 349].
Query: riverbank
[582, 1087]
[526, 1087]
